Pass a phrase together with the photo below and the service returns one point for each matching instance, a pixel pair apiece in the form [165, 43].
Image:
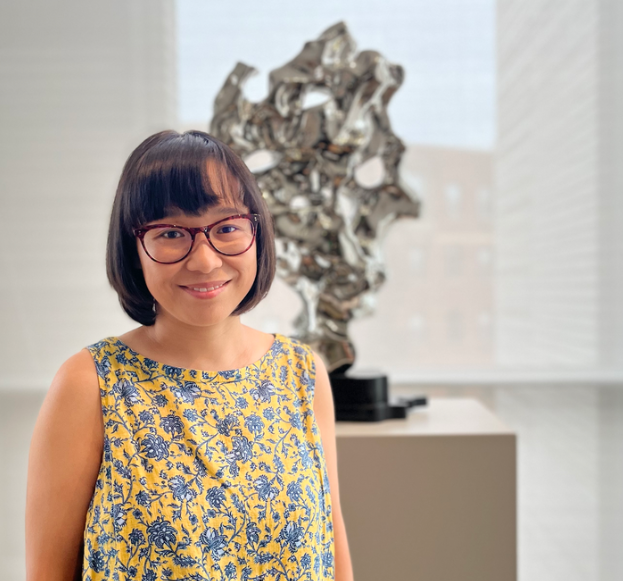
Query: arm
[64, 460]
[325, 418]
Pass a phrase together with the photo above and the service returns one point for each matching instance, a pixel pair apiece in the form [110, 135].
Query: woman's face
[174, 286]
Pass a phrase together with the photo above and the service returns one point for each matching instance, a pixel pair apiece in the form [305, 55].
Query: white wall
[611, 183]
[558, 215]
[81, 84]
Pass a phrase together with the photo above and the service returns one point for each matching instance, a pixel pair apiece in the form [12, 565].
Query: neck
[214, 347]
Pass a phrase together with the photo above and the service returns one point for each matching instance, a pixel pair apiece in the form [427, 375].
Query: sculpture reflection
[329, 173]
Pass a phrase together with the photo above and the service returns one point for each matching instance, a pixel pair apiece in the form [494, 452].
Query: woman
[192, 447]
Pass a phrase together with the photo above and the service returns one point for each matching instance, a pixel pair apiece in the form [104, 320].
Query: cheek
[154, 274]
[144, 265]
[151, 280]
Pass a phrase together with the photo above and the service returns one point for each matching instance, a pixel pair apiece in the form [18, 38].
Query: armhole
[95, 351]
[311, 366]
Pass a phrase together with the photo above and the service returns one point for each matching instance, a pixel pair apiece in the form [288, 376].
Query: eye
[171, 234]
[227, 229]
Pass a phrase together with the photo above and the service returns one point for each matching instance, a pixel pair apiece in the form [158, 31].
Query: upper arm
[63, 464]
[324, 412]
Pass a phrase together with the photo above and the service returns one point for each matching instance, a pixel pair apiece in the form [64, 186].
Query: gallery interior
[493, 286]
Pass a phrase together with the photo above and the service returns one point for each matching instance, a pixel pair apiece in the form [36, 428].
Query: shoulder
[63, 463]
[319, 384]
[320, 367]
[69, 427]
[303, 352]
[76, 381]
[323, 395]
[293, 347]
[79, 365]
[72, 406]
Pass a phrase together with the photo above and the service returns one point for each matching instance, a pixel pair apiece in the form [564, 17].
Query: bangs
[186, 174]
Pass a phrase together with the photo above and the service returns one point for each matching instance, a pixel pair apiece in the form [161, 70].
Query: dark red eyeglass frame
[140, 234]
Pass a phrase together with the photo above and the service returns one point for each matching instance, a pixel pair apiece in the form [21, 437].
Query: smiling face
[188, 179]
[205, 288]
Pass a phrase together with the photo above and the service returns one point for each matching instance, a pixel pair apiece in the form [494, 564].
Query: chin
[205, 319]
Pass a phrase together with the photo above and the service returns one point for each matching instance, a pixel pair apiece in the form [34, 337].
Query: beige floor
[570, 473]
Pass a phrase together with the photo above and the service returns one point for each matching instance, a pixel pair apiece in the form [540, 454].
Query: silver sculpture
[329, 221]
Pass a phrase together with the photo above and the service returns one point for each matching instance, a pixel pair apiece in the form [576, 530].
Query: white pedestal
[432, 497]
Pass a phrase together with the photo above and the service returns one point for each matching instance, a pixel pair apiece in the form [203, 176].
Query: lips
[205, 290]
[205, 286]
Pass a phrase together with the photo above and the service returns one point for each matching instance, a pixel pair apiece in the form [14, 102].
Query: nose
[202, 257]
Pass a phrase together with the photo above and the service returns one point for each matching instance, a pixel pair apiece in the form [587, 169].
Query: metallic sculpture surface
[329, 219]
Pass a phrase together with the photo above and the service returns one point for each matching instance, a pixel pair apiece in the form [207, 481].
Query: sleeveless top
[209, 475]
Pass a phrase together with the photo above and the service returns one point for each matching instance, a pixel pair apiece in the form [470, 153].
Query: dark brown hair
[169, 172]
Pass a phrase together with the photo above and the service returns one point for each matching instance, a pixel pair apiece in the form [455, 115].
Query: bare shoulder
[73, 399]
[79, 366]
[69, 432]
[76, 378]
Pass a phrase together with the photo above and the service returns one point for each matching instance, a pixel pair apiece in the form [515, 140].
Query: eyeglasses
[168, 243]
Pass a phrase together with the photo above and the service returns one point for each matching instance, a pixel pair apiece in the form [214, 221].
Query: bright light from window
[447, 48]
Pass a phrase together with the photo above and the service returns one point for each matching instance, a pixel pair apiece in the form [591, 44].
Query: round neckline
[240, 370]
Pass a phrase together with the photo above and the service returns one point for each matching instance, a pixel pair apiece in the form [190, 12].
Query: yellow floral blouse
[209, 475]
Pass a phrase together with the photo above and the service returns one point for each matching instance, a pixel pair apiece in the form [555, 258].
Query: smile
[202, 290]
[205, 290]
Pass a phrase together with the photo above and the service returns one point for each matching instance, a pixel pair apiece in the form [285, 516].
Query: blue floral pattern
[209, 476]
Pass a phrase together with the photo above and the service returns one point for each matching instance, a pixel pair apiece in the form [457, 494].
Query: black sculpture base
[365, 399]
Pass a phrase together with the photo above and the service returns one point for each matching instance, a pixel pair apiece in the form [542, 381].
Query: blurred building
[435, 312]
[436, 309]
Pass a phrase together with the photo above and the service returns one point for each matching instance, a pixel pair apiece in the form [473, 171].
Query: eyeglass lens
[172, 244]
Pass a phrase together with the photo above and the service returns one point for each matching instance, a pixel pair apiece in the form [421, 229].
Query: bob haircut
[171, 172]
